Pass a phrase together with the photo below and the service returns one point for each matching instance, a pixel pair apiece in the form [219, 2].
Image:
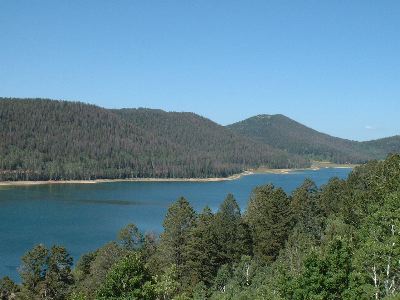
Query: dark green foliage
[306, 210]
[232, 282]
[286, 134]
[44, 139]
[92, 269]
[149, 252]
[127, 279]
[203, 250]
[178, 224]
[232, 233]
[332, 197]
[269, 217]
[200, 292]
[325, 277]
[223, 276]
[46, 273]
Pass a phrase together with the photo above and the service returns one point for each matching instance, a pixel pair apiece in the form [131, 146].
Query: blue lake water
[82, 217]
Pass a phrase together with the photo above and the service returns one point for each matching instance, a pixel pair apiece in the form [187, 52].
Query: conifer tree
[178, 224]
[305, 209]
[233, 235]
[269, 217]
[203, 249]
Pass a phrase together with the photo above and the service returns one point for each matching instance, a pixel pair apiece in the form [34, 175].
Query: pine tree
[269, 218]
[233, 234]
[306, 212]
[203, 249]
[178, 224]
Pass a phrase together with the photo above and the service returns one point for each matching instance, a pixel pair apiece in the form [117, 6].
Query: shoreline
[315, 167]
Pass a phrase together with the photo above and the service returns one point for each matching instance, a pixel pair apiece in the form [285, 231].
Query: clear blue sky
[332, 65]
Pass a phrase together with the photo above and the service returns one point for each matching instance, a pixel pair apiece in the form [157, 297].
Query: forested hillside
[286, 134]
[381, 147]
[45, 139]
[338, 241]
[59, 140]
[204, 136]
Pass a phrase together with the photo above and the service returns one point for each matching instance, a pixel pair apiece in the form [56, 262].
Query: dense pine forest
[338, 241]
[288, 135]
[59, 140]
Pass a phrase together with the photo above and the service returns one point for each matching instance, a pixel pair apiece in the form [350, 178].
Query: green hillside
[286, 134]
[381, 147]
[45, 139]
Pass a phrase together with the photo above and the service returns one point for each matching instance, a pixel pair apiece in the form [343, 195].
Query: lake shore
[314, 167]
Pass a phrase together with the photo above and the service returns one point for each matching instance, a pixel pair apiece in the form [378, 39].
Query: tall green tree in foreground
[203, 249]
[269, 217]
[232, 233]
[306, 211]
[178, 224]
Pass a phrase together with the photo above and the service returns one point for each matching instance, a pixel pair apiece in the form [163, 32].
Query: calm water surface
[82, 217]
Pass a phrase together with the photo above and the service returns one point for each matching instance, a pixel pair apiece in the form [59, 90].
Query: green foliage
[167, 286]
[325, 277]
[378, 255]
[92, 269]
[268, 208]
[232, 233]
[307, 213]
[202, 250]
[150, 254]
[77, 296]
[200, 292]
[178, 224]
[331, 197]
[46, 273]
[128, 279]
[221, 280]
[290, 261]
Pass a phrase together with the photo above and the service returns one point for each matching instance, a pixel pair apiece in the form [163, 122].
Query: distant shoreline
[314, 167]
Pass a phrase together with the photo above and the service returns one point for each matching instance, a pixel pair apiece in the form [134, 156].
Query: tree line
[339, 241]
